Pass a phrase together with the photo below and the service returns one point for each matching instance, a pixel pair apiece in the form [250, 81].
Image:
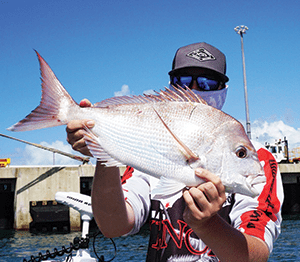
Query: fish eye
[241, 152]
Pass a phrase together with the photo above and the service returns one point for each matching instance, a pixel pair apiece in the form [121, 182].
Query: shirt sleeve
[261, 216]
[136, 189]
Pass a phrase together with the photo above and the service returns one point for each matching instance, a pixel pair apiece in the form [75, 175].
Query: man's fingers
[190, 202]
[209, 190]
[208, 176]
[75, 133]
[75, 125]
[85, 103]
[81, 147]
[75, 139]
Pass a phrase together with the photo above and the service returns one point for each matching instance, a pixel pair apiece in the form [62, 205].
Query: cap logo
[201, 54]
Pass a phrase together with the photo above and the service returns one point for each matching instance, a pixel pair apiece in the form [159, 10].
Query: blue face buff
[203, 83]
[215, 98]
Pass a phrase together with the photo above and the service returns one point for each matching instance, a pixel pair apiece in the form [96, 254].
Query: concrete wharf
[290, 174]
[27, 195]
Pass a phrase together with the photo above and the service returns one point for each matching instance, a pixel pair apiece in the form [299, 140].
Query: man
[201, 223]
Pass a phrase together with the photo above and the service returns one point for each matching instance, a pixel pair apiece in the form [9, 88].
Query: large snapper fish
[166, 135]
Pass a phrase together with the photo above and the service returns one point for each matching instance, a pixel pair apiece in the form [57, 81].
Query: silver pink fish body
[166, 135]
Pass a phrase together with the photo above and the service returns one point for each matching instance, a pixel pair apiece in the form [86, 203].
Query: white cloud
[36, 156]
[269, 132]
[149, 92]
[124, 91]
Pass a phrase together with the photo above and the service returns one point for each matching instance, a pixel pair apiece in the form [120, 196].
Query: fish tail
[54, 105]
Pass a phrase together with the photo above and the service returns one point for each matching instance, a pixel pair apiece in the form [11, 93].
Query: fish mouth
[253, 180]
[248, 185]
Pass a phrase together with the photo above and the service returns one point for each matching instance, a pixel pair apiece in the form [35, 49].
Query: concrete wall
[41, 183]
[290, 173]
[38, 183]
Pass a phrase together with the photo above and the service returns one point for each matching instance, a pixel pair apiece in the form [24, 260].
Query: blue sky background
[98, 48]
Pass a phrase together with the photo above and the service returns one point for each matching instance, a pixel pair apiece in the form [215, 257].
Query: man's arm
[227, 243]
[114, 216]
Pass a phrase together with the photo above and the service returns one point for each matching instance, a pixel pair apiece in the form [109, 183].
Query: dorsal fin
[177, 94]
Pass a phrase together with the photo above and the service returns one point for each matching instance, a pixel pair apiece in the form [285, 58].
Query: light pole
[241, 30]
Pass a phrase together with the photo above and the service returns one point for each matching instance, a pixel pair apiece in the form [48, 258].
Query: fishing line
[101, 258]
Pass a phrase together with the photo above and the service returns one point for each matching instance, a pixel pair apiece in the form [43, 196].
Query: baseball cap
[201, 55]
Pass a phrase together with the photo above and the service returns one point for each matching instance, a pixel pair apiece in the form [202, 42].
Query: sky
[99, 49]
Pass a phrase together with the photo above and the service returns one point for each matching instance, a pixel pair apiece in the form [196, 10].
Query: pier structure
[290, 174]
[28, 195]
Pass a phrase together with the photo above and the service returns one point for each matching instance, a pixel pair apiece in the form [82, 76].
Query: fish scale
[124, 142]
[167, 135]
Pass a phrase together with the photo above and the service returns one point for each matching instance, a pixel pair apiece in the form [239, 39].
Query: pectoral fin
[97, 151]
[166, 187]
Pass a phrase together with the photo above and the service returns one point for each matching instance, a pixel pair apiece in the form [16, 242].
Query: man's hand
[227, 243]
[203, 202]
[75, 131]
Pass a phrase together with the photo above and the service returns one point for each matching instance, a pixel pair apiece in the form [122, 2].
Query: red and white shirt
[171, 239]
